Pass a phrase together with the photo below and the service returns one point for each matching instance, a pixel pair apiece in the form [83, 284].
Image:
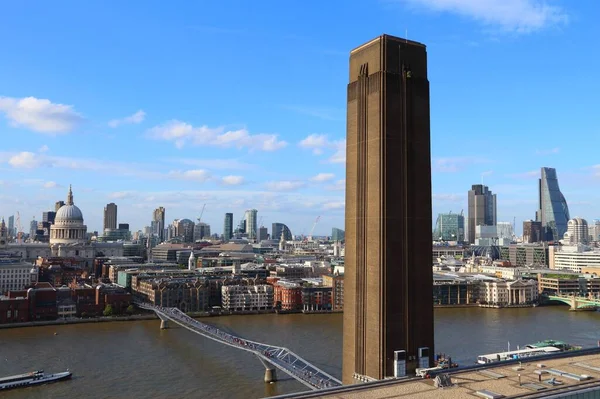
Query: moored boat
[33, 378]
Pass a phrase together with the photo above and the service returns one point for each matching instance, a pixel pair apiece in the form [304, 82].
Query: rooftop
[567, 371]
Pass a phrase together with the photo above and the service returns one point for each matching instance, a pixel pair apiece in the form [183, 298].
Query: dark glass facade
[277, 229]
[228, 226]
[449, 227]
[554, 211]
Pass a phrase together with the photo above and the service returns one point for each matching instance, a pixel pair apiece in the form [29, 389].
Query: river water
[138, 360]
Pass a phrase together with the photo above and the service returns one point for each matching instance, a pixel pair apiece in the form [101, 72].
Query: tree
[130, 309]
[108, 310]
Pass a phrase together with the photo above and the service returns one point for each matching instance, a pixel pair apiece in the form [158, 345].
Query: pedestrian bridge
[577, 302]
[280, 358]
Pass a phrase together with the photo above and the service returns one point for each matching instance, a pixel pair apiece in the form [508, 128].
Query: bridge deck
[282, 358]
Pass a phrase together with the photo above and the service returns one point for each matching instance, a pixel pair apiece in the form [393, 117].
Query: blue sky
[239, 104]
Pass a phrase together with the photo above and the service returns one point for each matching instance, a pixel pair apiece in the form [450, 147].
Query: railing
[282, 358]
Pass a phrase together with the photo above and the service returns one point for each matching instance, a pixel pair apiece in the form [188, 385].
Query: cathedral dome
[68, 213]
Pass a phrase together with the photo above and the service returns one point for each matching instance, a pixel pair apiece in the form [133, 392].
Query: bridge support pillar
[270, 375]
[164, 324]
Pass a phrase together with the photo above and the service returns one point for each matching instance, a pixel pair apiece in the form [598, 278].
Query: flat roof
[390, 37]
[579, 371]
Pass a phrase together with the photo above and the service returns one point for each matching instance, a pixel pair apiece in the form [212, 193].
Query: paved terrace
[567, 372]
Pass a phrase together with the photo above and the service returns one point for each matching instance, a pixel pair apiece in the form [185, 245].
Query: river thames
[137, 359]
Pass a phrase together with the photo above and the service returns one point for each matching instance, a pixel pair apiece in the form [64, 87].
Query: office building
[532, 231]
[594, 230]
[11, 226]
[58, 205]
[124, 226]
[449, 227]
[263, 234]
[277, 229]
[110, 216]
[32, 228]
[251, 223]
[201, 231]
[388, 306]
[337, 234]
[577, 232]
[158, 223]
[48, 217]
[553, 211]
[482, 209]
[228, 227]
[184, 229]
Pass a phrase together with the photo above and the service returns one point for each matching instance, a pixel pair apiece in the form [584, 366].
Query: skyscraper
[251, 223]
[11, 226]
[553, 211]
[58, 205]
[337, 234]
[388, 306]
[158, 223]
[577, 232]
[277, 229]
[228, 227]
[110, 216]
[532, 231]
[482, 209]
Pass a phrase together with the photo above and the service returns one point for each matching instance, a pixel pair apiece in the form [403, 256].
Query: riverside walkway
[281, 358]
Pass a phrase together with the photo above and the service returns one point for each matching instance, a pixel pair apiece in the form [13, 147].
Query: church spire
[70, 196]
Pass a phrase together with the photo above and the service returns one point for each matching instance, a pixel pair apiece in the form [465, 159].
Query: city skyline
[184, 133]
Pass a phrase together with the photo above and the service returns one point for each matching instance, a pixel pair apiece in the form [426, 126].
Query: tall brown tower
[388, 303]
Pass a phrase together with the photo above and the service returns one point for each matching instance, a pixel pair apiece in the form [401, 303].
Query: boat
[545, 347]
[32, 378]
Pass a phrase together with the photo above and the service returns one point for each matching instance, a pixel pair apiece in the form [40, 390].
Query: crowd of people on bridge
[315, 378]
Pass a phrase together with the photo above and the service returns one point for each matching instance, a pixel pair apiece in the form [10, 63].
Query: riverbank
[60, 322]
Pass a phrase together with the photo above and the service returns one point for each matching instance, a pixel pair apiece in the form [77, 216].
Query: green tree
[108, 310]
[130, 309]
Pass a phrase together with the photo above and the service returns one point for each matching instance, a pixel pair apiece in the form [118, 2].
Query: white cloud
[40, 115]
[334, 205]
[198, 175]
[233, 180]
[519, 16]
[43, 149]
[339, 185]
[285, 185]
[182, 133]
[317, 143]
[322, 177]
[136, 118]
[51, 184]
[25, 160]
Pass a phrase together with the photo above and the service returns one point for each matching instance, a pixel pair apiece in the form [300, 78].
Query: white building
[247, 297]
[573, 258]
[509, 293]
[16, 276]
[577, 232]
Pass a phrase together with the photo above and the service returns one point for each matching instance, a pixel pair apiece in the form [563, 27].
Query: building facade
[251, 223]
[337, 234]
[532, 231]
[388, 306]
[277, 229]
[577, 232]
[158, 223]
[110, 216]
[449, 227]
[68, 227]
[482, 209]
[241, 298]
[553, 212]
[228, 227]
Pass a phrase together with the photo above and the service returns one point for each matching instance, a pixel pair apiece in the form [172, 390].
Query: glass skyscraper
[554, 211]
[449, 227]
[277, 229]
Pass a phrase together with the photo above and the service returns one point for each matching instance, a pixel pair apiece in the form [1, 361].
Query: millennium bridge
[577, 302]
[272, 357]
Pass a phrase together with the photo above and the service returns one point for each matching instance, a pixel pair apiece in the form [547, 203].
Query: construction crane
[201, 213]
[260, 222]
[313, 228]
[19, 229]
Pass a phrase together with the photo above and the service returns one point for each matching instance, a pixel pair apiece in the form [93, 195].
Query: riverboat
[33, 378]
[537, 349]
